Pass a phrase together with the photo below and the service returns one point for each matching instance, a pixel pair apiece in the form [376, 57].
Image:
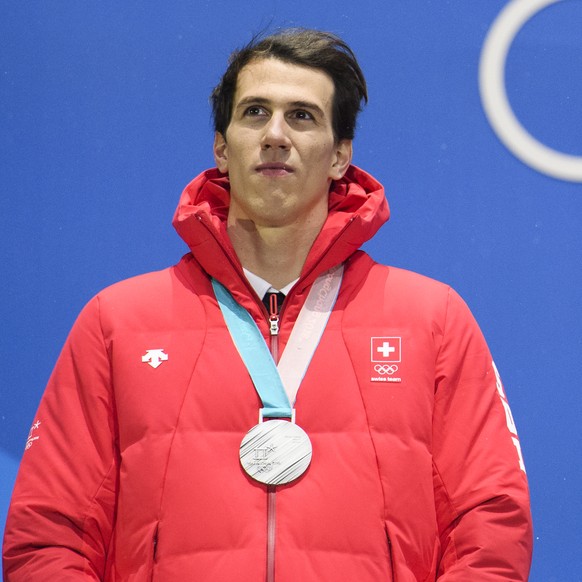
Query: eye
[302, 114]
[254, 111]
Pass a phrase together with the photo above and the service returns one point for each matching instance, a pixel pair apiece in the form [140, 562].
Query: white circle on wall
[496, 104]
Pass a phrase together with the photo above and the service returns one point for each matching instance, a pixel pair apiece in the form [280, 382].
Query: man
[168, 447]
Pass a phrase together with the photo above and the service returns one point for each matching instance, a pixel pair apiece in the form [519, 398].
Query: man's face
[279, 149]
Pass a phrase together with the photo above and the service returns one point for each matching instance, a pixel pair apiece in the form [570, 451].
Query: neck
[276, 254]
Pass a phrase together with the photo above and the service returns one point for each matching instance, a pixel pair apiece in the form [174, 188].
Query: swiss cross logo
[386, 349]
[385, 359]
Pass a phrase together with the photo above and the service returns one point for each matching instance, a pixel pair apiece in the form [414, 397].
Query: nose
[275, 134]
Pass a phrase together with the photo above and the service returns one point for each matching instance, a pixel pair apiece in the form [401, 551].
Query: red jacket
[132, 471]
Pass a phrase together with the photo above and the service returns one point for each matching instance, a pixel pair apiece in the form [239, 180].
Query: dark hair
[307, 48]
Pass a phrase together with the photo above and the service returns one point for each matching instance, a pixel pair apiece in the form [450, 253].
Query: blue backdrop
[104, 116]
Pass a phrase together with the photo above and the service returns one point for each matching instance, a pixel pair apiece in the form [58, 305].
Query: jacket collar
[357, 209]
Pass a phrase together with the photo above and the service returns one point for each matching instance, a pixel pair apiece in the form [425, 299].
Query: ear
[220, 152]
[342, 159]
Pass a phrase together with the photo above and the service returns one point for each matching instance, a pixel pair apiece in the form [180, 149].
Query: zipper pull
[274, 313]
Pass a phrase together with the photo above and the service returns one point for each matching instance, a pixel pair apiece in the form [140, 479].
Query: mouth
[273, 169]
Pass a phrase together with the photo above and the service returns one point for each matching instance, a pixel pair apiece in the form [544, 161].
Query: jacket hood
[357, 209]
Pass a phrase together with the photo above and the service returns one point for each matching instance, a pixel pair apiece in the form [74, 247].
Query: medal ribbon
[277, 386]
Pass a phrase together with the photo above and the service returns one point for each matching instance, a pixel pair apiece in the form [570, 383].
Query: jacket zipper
[274, 326]
[271, 522]
[271, 489]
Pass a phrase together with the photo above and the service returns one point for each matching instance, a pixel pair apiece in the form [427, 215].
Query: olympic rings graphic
[496, 104]
[380, 369]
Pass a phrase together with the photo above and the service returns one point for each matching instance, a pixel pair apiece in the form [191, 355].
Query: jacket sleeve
[481, 491]
[63, 506]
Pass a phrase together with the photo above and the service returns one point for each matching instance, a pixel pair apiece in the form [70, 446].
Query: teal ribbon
[255, 354]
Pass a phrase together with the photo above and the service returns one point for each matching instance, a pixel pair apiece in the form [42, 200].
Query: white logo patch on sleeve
[32, 435]
[508, 416]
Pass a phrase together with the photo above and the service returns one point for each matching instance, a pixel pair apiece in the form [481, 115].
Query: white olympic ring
[385, 369]
[496, 104]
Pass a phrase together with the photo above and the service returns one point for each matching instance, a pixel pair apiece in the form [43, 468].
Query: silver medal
[275, 452]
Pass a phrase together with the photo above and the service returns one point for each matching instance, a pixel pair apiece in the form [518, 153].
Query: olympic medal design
[275, 452]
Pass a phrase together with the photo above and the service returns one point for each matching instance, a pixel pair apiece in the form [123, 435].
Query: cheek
[239, 149]
[311, 153]
[322, 156]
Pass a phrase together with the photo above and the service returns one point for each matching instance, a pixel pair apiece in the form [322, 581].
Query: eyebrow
[250, 100]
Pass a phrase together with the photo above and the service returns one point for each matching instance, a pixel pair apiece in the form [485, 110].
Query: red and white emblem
[385, 355]
[386, 349]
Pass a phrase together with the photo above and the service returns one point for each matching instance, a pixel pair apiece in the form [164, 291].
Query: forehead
[282, 82]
